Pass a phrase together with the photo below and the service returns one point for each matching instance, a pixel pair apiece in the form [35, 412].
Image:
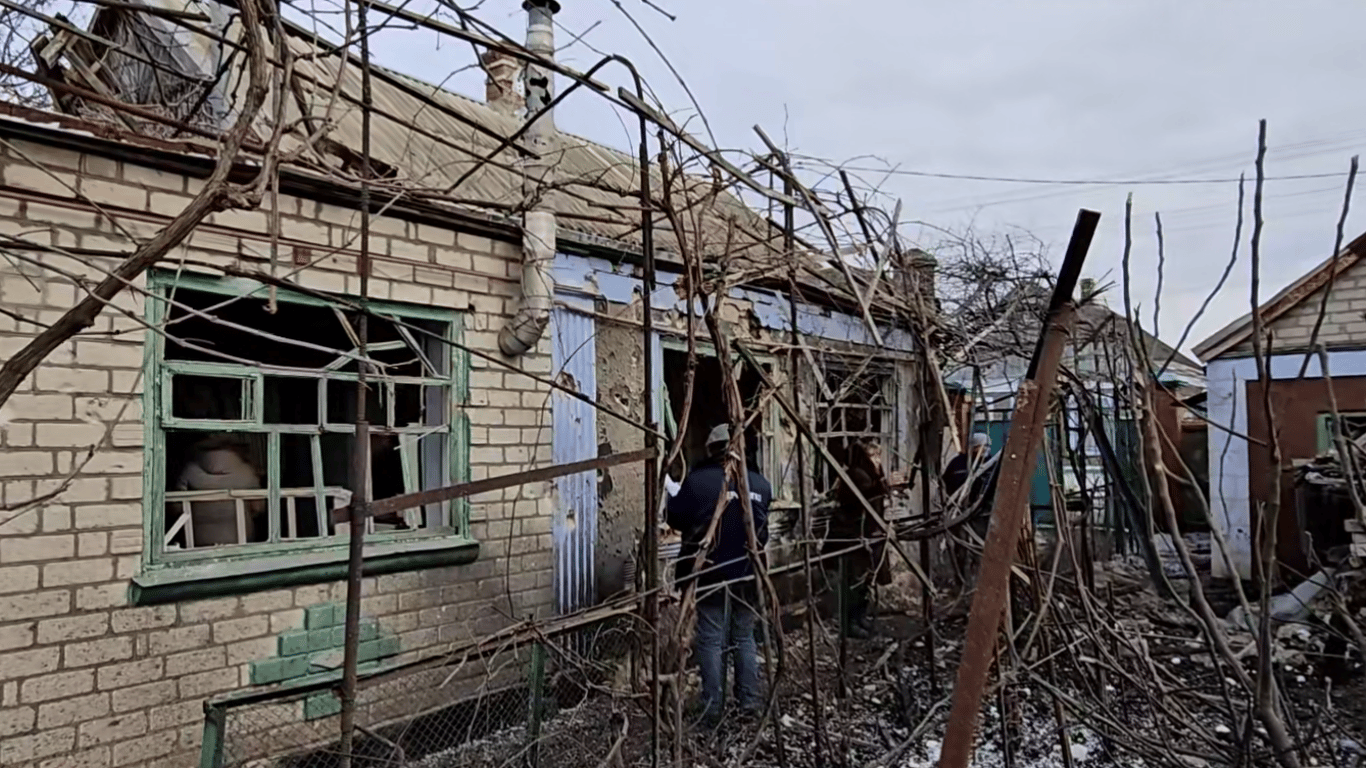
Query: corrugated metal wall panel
[574, 437]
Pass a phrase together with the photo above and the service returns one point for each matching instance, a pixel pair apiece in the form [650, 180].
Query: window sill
[169, 584]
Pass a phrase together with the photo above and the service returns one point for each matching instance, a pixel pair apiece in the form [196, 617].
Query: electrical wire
[1084, 182]
[1322, 145]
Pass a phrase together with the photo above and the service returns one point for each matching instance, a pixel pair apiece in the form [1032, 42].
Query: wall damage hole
[604, 475]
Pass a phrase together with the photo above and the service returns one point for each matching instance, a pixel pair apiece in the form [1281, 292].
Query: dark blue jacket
[690, 513]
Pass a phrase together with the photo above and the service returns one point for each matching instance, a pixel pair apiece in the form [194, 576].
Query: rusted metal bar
[652, 417]
[1027, 427]
[928, 448]
[461, 490]
[361, 469]
[808, 530]
[818, 213]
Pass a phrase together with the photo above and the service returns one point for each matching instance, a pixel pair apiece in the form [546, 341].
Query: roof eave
[1308, 284]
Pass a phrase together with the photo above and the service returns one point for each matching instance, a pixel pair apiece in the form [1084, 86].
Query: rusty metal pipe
[1027, 428]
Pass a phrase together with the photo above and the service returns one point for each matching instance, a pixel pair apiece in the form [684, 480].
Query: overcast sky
[1123, 89]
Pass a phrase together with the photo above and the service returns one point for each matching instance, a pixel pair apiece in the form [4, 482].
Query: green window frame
[1324, 433]
[435, 534]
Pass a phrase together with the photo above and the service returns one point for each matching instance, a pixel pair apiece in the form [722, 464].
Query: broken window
[256, 411]
[857, 402]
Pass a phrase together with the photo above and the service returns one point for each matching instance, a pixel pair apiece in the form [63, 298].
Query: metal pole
[537, 704]
[360, 486]
[926, 593]
[1018, 457]
[647, 246]
[808, 527]
[842, 602]
[215, 726]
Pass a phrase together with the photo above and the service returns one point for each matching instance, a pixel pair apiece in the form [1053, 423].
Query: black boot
[857, 623]
[867, 624]
[858, 630]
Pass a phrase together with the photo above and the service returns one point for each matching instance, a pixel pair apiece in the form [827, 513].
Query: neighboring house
[1096, 356]
[132, 588]
[1241, 471]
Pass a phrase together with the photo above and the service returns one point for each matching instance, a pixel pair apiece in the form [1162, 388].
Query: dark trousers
[857, 588]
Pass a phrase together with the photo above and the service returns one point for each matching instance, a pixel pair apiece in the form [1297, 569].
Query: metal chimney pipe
[539, 226]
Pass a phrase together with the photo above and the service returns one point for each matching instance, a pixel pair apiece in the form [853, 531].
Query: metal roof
[429, 148]
[424, 139]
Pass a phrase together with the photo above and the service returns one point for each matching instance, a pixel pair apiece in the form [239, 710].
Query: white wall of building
[1230, 504]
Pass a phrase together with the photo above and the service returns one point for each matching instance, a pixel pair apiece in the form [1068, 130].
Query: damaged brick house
[132, 588]
[1325, 307]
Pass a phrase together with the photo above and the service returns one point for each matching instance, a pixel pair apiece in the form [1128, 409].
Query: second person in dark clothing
[976, 470]
[971, 466]
[852, 525]
[722, 624]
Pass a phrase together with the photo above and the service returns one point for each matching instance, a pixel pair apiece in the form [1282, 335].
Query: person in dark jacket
[967, 466]
[725, 614]
[851, 524]
[972, 467]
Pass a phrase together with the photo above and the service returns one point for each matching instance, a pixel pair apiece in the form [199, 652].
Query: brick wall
[1344, 323]
[86, 679]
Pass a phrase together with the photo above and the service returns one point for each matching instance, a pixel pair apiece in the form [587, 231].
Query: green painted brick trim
[322, 639]
[296, 666]
[321, 705]
[323, 616]
[318, 650]
[293, 643]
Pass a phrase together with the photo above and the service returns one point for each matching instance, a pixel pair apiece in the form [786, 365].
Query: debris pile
[1129, 681]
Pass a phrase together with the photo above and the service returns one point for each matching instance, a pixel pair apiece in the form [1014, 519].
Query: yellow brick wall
[1344, 319]
[87, 679]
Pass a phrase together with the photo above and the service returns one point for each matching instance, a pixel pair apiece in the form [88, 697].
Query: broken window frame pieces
[444, 384]
[849, 368]
[1325, 432]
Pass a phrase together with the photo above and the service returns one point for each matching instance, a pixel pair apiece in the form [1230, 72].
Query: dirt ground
[885, 701]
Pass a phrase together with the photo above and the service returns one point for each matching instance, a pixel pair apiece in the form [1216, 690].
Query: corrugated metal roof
[595, 189]
[427, 138]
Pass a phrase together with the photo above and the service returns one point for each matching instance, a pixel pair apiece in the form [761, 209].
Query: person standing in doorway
[726, 588]
[852, 524]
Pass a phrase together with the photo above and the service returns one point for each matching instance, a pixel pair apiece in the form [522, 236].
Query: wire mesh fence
[571, 698]
[578, 694]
